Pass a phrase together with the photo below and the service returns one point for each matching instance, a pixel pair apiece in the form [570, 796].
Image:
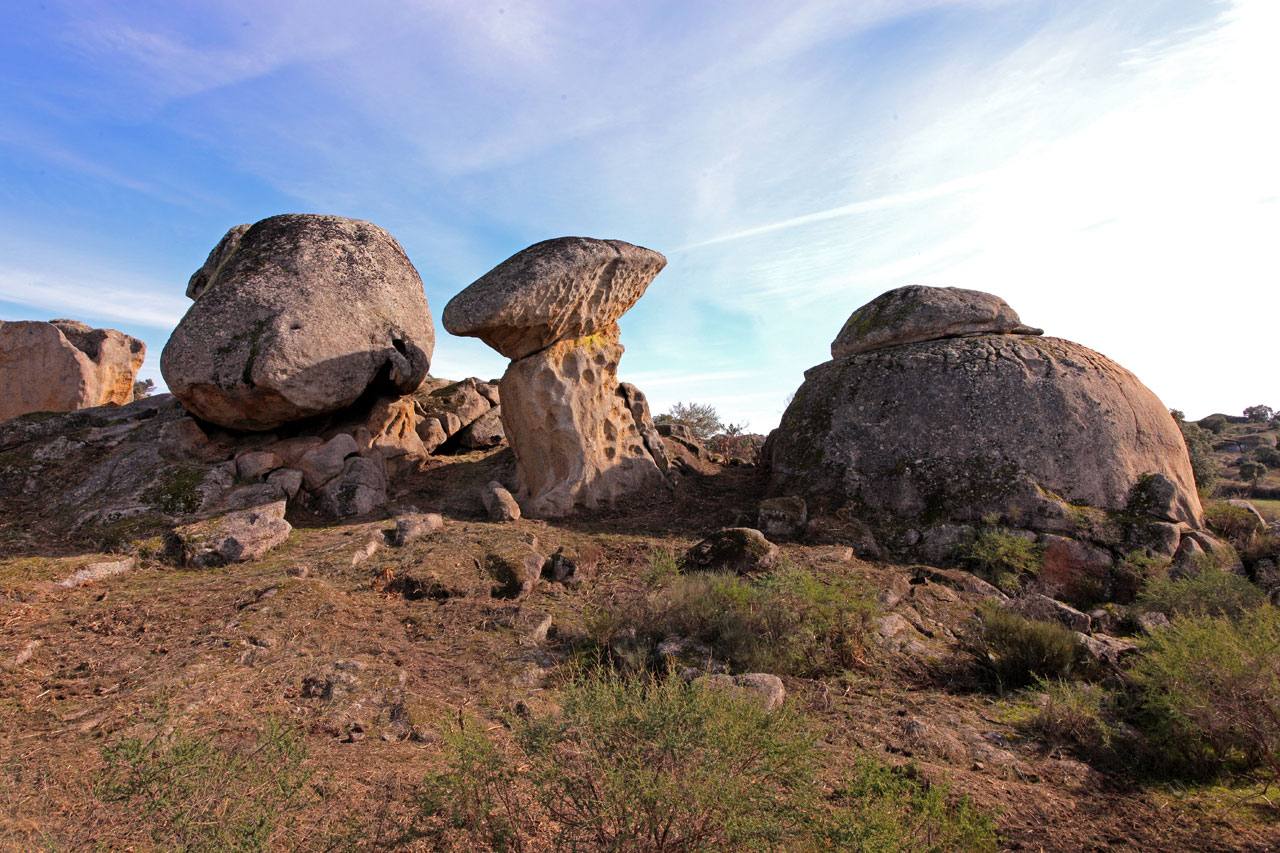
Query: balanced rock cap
[915, 313]
[559, 289]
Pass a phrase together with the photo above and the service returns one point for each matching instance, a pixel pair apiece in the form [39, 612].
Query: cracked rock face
[296, 316]
[578, 438]
[961, 429]
[63, 366]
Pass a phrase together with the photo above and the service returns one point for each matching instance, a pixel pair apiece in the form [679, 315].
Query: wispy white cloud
[92, 297]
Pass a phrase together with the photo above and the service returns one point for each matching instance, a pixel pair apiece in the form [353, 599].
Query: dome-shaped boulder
[297, 316]
[1012, 427]
[918, 313]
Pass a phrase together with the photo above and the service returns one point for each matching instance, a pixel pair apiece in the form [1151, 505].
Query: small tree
[1259, 414]
[143, 389]
[1252, 472]
[701, 419]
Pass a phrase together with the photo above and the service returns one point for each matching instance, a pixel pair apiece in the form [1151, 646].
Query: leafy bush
[1268, 456]
[1209, 693]
[1214, 423]
[1001, 556]
[1211, 592]
[1252, 472]
[473, 795]
[663, 567]
[889, 809]
[1075, 715]
[1204, 464]
[790, 622]
[1014, 651]
[1234, 523]
[198, 795]
[656, 764]
[701, 419]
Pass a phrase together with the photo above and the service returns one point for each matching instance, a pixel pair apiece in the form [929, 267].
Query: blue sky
[1108, 168]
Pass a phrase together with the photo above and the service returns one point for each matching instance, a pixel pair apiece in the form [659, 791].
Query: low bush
[1001, 556]
[890, 809]
[1073, 715]
[790, 622]
[1013, 651]
[1234, 523]
[656, 764]
[1208, 693]
[1211, 592]
[196, 794]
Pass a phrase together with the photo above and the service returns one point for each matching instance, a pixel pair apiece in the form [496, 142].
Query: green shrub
[656, 764]
[1075, 715]
[1209, 693]
[474, 795]
[1268, 456]
[663, 567]
[1234, 523]
[887, 809]
[199, 795]
[1211, 592]
[790, 622]
[1014, 651]
[1199, 441]
[1214, 423]
[1001, 556]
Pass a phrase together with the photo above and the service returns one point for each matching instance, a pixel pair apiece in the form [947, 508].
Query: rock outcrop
[64, 366]
[553, 309]
[983, 422]
[297, 316]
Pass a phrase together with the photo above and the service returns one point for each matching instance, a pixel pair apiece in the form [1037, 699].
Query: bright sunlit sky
[1112, 169]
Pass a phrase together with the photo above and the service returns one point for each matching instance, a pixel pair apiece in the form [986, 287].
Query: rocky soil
[371, 649]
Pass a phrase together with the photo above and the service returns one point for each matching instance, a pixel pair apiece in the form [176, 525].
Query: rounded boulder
[296, 316]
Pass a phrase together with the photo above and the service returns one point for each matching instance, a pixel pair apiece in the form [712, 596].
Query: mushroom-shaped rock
[1024, 429]
[296, 316]
[64, 365]
[918, 313]
[556, 290]
[553, 309]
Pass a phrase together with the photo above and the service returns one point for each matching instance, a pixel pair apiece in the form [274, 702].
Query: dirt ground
[367, 665]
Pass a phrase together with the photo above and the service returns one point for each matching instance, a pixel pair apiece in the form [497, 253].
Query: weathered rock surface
[300, 316]
[64, 366]
[763, 688]
[739, 550]
[499, 503]
[960, 430]
[576, 443]
[560, 289]
[783, 518]
[917, 313]
[415, 525]
[579, 439]
[236, 537]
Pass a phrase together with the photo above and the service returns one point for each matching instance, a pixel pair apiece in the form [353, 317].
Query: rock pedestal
[578, 437]
[576, 441]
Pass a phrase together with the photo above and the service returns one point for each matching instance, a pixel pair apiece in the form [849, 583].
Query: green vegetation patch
[1001, 556]
[648, 763]
[177, 491]
[197, 794]
[1013, 651]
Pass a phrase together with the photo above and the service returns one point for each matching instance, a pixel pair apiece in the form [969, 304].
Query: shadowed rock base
[575, 440]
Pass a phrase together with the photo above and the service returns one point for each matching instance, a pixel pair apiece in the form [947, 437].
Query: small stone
[321, 464]
[499, 503]
[236, 537]
[415, 526]
[366, 551]
[288, 480]
[98, 571]
[298, 571]
[740, 550]
[256, 463]
[762, 687]
[1042, 607]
